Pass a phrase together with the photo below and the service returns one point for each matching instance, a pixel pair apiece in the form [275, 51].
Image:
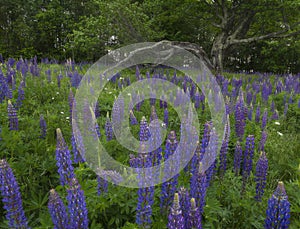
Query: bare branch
[279, 34]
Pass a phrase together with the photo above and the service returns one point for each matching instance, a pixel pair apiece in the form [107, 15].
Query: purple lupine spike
[57, 210]
[166, 117]
[102, 186]
[145, 194]
[224, 148]
[194, 217]
[261, 175]
[248, 160]
[43, 126]
[144, 130]
[264, 119]
[97, 110]
[184, 198]
[263, 140]
[63, 159]
[12, 117]
[58, 78]
[21, 95]
[238, 154]
[133, 120]
[48, 73]
[11, 197]
[250, 112]
[175, 218]
[77, 206]
[108, 129]
[169, 187]
[257, 114]
[198, 187]
[240, 119]
[275, 115]
[278, 211]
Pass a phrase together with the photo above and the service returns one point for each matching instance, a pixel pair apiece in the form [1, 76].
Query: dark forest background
[256, 35]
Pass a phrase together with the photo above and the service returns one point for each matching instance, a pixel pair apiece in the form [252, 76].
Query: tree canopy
[258, 35]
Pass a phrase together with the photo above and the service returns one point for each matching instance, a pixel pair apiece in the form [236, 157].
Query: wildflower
[57, 210]
[194, 216]
[12, 116]
[43, 126]
[278, 211]
[240, 119]
[63, 159]
[264, 119]
[260, 175]
[237, 158]
[133, 120]
[175, 219]
[77, 206]
[263, 140]
[248, 159]
[224, 148]
[108, 129]
[11, 197]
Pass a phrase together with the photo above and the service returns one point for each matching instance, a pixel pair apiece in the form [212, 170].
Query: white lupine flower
[279, 133]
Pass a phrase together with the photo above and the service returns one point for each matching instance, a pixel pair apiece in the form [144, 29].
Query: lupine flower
[261, 175]
[12, 116]
[133, 120]
[263, 140]
[240, 119]
[43, 126]
[59, 77]
[198, 187]
[144, 130]
[21, 96]
[175, 219]
[248, 159]
[57, 211]
[169, 187]
[272, 106]
[166, 117]
[77, 206]
[237, 158]
[63, 159]
[185, 204]
[224, 148]
[264, 119]
[108, 129]
[257, 114]
[102, 186]
[278, 211]
[145, 194]
[194, 217]
[11, 197]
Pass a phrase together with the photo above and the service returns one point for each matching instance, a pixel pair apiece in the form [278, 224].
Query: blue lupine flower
[57, 211]
[238, 154]
[108, 129]
[194, 220]
[102, 186]
[264, 119]
[77, 206]
[240, 119]
[175, 219]
[166, 117]
[263, 140]
[169, 187]
[278, 211]
[257, 114]
[224, 148]
[144, 130]
[43, 126]
[12, 117]
[63, 160]
[261, 175]
[21, 95]
[198, 187]
[11, 197]
[248, 159]
[133, 120]
[185, 204]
